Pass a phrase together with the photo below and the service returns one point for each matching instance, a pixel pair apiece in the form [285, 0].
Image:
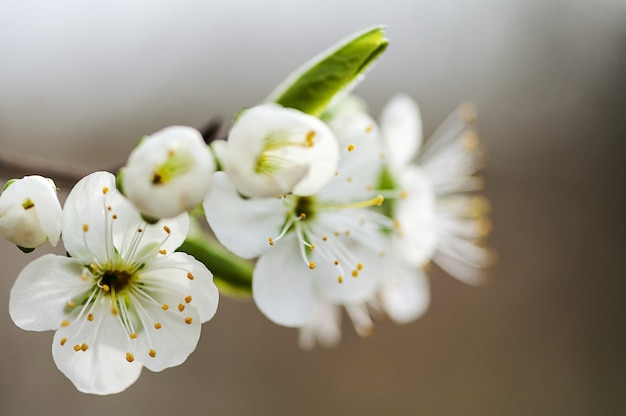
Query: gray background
[80, 82]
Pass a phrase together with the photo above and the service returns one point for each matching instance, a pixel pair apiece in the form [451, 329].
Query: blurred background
[80, 82]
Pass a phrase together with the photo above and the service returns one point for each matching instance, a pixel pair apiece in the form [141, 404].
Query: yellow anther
[167, 229]
[171, 153]
[340, 279]
[76, 347]
[379, 200]
[347, 232]
[114, 311]
[133, 335]
[302, 215]
[336, 173]
[130, 357]
[359, 266]
[90, 317]
[70, 304]
[152, 353]
[105, 190]
[181, 307]
[470, 140]
[157, 325]
[63, 341]
[165, 306]
[325, 238]
[336, 233]
[139, 230]
[190, 276]
[188, 320]
[109, 208]
[350, 147]
[106, 288]
[84, 277]
[271, 240]
[65, 323]
[309, 138]
[336, 262]
[312, 247]
[349, 179]
[85, 227]
[396, 224]
[164, 252]
[369, 128]
[312, 265]
[403, 194]
[355, 273]
[114, 216]
[187, 299]
[84, 347]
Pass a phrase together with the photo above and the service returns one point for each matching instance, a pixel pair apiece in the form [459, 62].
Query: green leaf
[312, 87]
[231, 274]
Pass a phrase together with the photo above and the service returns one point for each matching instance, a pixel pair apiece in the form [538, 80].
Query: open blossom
[320, 248]
[169, 172]
[30, 212]
[442, 217]
[273, 150]
[123, 300]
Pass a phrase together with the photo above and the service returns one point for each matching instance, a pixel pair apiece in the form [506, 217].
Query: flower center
[282, 150]
[178, 163]
[116, 280]
[305, 207]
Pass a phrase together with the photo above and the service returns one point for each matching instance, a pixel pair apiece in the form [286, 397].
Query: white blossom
[325, 247]
[273, 150]
[30, 212]
[169, 172]
[123, 300]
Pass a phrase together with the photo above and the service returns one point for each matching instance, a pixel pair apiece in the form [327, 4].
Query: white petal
[42, 291]
[418, 237]
[282, 287]
[184, 149]
[175, 338]
[360, 163]
[182, 273]
[242, 225]
[101, 367]
[405, 295]
[401, 124]
[324, 327]
[85, 209]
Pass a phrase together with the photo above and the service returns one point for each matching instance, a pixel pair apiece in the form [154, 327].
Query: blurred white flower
[321, 248]
[439, 216]
[123, 299]
[273, 150]
[169, 172]
[30, 212]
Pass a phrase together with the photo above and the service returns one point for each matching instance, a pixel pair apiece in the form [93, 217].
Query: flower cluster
[320, 208]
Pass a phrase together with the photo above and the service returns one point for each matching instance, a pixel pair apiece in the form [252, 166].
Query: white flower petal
[184, 274]
[360, 163]
[323, 328]
[42, 291]
[84, 224]
[242, 225]
[419, 236]
[282, 287]
[169, 172]
[405, 295]
[168, 337]
[92, 355]
[401, 124]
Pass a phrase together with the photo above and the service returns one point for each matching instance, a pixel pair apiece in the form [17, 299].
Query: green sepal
[231, 274]
[119, 180]
[26, 249]
[312, 87]
[8, 183]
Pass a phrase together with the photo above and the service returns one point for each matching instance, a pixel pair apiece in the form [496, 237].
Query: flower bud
[273, 150]
[30, 212]
[169, 172]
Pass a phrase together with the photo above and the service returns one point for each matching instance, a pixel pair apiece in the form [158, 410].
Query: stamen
[90, 317]
[340, 279]
[350, 147]
[167, 229]
[165, 306]
[76, 347]
[63, 341]
[164, 252]
[85, 227]
[152, 353]
[181, 307]
[65, 323]
[188, 320]
[105, 190]
[84, 347]
[157, 325]
[187, 299]
[378, 201]
[130, 357]
[190, 276]
[70, 304]
[133, 335]
[355, 273]
[309, 139]
[311, 265]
